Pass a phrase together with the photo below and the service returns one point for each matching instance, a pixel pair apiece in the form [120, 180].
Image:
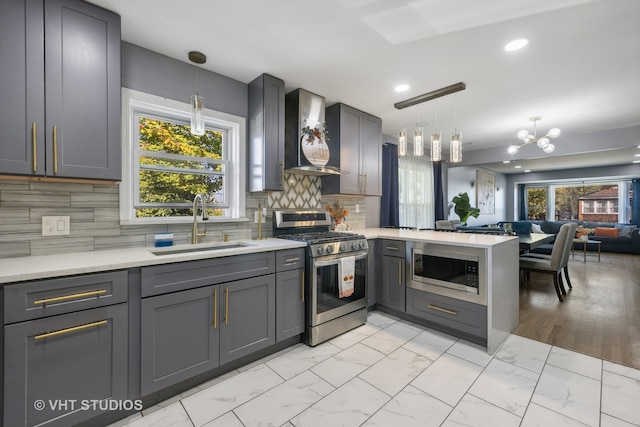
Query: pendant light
[455, 149]
[402, 143]
[418, 143]
[197, 101]
[436, 142]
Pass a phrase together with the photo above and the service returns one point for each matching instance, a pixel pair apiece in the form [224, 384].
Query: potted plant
[463, 208]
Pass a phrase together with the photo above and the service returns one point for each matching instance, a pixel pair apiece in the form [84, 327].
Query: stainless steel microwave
[456, 272]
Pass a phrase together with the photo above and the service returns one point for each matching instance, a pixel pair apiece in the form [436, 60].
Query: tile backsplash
[95, 219]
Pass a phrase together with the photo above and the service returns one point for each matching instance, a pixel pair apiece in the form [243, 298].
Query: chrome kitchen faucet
[205, 216]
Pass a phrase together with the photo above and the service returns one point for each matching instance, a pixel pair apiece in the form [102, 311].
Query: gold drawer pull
[400, 262]
[68, 297]
[302, 274]
[55, 150]
[292, 260]
[444, 310]
[34, 142]
[73, 329]
[215, 309]
[226, 306]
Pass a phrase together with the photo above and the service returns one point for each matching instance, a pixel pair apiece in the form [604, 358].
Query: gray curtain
[389, 205]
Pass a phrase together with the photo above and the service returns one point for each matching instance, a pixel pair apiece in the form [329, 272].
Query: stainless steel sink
[186, 250]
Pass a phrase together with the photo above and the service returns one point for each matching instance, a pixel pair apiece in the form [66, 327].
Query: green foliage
[463, 207]
[176, 187]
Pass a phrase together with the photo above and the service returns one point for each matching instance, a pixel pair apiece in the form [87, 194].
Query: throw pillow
[606, 232]
[521, 227]
[625, 230]
[535, 228]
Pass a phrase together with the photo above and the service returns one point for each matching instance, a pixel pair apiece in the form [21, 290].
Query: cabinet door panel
[393, 289]
[89, 362]
[350, 151]
[289, 304]
[21, 87]
[82, 46]
[179, 337]
[247, 310]
[371, 155]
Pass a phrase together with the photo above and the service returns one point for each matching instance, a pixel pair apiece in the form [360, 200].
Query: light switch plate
[55, 225]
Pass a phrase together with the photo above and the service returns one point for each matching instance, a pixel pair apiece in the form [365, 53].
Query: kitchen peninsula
[485, 312]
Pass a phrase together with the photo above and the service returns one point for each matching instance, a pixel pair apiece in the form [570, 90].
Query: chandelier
[544, 143]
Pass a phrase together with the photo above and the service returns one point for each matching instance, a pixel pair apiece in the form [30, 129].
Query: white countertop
[442, 237]
[44, 266]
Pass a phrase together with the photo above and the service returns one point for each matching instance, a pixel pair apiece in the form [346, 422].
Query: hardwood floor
[600, 317]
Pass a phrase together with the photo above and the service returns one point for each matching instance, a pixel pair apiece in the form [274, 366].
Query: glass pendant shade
[523, 134]
[418, 143]
[402, 143]
[549, 148]
[513, 149]
[543, 142]
[456, 148]
[436, 147]
[197, 115]
[553, 133]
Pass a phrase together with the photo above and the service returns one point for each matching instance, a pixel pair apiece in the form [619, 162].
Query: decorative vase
[317, 152]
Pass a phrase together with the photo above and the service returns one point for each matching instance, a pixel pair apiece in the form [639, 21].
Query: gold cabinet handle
[72, 329]
[302, 274]
[391, 248]
[34, 144]
[55, 149]
[443, 310]
[215, 309]
[365, 183]
[282, 174]
[400, 272]
[292, 260]
[226, 306]
[73, 296]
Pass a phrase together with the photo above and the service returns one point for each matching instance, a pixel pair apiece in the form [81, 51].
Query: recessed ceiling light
[636, 161]
[517, 166]
[506, 161]
[516, 44]
[527, 170]
[401, 88]
[637, 155]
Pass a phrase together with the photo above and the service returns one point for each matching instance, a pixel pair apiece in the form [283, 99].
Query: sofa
[626, 239]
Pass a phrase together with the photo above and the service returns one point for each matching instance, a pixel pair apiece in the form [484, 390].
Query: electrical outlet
[357, 208]
[55, 225]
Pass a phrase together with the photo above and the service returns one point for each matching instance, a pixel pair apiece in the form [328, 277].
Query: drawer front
[162, 279]
[33, 300]
[461, 315]
[393, 247]
[290, 259]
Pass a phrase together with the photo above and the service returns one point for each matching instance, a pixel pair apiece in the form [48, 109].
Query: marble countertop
[45, 266]
[432, 236]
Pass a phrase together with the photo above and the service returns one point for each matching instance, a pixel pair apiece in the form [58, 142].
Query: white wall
[459, 181]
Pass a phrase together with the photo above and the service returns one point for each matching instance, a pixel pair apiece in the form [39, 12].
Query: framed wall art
[485, 192]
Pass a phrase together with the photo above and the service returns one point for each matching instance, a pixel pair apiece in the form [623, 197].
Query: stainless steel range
[336, 266]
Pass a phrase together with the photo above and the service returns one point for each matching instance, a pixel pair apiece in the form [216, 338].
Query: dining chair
[565, 254]
[552, 265]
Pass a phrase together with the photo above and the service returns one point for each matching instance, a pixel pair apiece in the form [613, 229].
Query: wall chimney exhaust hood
[306, 152]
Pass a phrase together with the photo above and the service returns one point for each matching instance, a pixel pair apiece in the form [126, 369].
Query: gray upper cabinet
[60, 87]
[266, 134]
[359, 136]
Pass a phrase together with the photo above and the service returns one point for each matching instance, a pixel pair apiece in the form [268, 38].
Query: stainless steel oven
[452, 271]
[332, 260]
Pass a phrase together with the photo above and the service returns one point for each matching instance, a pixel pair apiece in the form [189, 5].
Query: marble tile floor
[390, 372]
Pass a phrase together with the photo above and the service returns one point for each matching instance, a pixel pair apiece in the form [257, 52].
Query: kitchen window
[164, 166]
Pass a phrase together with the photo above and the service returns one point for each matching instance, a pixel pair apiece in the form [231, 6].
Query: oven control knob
[320, 250]
[329, 248]
[361, 245]
[354, 245]
[342, 247]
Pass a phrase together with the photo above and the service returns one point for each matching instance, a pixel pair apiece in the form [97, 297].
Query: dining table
[531, 241]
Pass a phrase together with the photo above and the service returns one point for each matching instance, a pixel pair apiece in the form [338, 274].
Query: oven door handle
[336, 259]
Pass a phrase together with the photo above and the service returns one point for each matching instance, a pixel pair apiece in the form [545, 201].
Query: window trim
[235, 126]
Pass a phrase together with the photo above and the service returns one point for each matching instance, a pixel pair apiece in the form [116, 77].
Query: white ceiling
[580, 71]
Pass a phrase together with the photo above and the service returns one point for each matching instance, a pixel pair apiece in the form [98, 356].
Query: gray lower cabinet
[180, 337]
[289, 304]
[61, 362]
[248, 317]
[393, 275]
[60, 89]
[451, 313]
